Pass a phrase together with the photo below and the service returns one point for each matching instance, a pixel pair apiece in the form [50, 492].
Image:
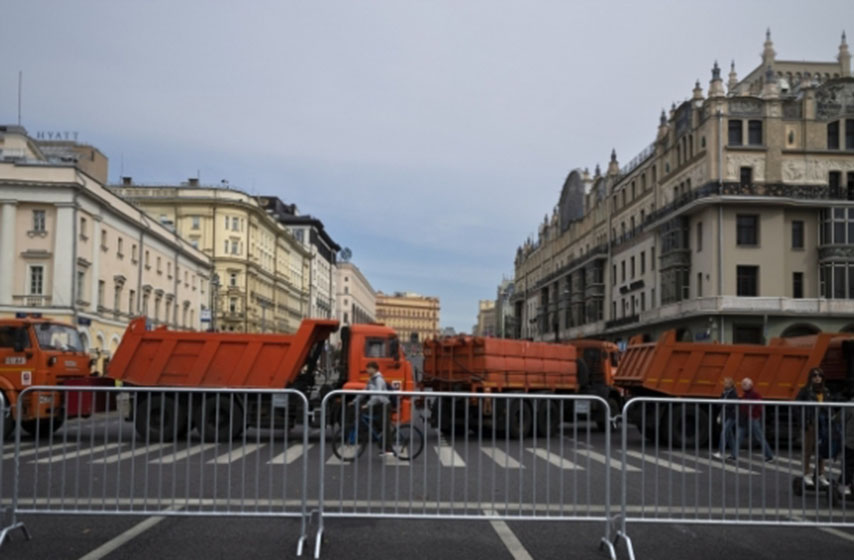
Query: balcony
[32, 300]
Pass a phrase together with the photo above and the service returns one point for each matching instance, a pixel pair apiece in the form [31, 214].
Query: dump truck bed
[691, 369]
[161, 357]
[499, 364]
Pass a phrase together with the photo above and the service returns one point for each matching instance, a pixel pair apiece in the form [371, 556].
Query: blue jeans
[755, 427]
[728, 436]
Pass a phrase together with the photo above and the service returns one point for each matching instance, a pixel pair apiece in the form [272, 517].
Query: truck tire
[219, 418]
[43, 427]
[548, 418]
[521, 419]
[694, 421]
[6, 418]
[159, 418]
[451, 422]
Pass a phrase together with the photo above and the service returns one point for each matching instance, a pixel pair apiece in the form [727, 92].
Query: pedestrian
[814, 419]
[847, 476]
[727, 420]
[378, 406]
[751, 420]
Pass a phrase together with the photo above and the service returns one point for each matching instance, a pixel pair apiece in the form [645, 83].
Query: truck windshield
[58, 337]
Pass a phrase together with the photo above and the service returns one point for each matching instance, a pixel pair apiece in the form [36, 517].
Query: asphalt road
[100, 465]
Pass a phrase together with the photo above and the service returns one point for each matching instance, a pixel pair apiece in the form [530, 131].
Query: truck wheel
[694, 422]
[521, 419]
[548, 418]
[219, 418]
[452, 422]
[42, 427]
[8, 421]
[158, 418]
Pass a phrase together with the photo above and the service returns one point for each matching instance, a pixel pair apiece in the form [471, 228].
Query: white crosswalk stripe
[293, 453]
[46, 450]
[235, 454]
[599, 458]
[184, 454]
[554, 459]
[502, 458]
[65, 456]
[448, 455]
[716, 463]
[665, 463]
[142, 450]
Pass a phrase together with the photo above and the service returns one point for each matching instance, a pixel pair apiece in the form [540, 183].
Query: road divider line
[554, 459]
[113, 544]
[508, 537]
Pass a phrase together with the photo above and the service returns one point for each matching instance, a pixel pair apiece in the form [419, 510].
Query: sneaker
[732, 459]
[717, 455]
[769, 459]
[823, 480]
[846, 490]
[808, 480]
[386, 453]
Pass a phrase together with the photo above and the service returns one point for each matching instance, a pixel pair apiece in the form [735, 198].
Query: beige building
[262, 272]
[414, 317]
[735, 224]
[72, 250]
[486, 321]
[356, 300]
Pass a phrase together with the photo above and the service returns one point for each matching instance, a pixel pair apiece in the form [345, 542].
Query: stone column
[8, 210]
[64, 267]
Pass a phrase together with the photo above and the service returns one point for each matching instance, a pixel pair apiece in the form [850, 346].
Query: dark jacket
[728, 411]
[751, 411]
[809, 414]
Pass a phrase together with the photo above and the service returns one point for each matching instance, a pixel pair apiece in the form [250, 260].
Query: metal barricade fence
[741, 462]
[8, 521]
[471, 456]
[164, 452]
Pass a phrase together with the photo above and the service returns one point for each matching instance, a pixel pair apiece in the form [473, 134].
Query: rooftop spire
[716, 85]
[733, 78]
[768, 53]
[844, 58]
[662, 120]
[716, 71]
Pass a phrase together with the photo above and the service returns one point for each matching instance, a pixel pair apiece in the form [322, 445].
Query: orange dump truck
[493, 365]
[161, 358]
[668, 368]
[36, 351]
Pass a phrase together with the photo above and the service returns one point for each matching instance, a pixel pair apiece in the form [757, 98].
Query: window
[837, 226]
[234, 247]
[133, 254]
[797, 234]
[747, 280]
[232, 279]
[849, 134]
[747, 230]
[10, 335]
[652, 258]
[346, 318]
[159, 266]
[169, 269]
[117, 297]
[104, 239]
[38, 220]
[36, 280]
[735, 135]
[643, 301]
[754, 133]
[145, 298]
[346, 289]
[196, 221]
[147, 260]
[119, 247]
[232, 305]
[833, 135]
[747, 334]
[378, 348]
[131, 302]
[235, 223]
[633, 267]
[699, 236]
[834, 184]
[746, 176]
[699, 284]
[797, 285]
[643, 262]
[101, 290]
[81, 281]
[614, 273]
[623, 271]
[226, 222]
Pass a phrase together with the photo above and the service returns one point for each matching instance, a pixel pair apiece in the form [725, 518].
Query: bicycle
[407, 441]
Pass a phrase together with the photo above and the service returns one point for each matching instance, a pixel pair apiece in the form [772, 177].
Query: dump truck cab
[365, 343]
[37, 351]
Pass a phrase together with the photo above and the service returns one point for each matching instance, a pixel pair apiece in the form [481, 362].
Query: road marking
[114, 543]
[293, 453]
[235, 454]
[717, 463]
[334, 460]
[502, 458]
[39, 450]
[554, 459]
[449, 457]
[517, 551]
[667, 464]
[90, 451]
[611, 462]
[180, 455]
[143, 450]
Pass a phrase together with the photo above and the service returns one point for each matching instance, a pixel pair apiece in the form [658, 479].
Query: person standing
[814, 420]
[726, 419]
[378, 405]
[751, 420]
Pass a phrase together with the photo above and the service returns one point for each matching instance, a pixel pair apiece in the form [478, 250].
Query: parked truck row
[41, 352]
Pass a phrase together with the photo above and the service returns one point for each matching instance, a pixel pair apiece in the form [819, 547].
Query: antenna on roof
[20, 81]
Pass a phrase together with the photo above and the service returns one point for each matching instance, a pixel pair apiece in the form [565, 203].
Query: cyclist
[377, 406]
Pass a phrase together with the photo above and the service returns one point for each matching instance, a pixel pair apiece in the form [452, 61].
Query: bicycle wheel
[350, 445]
[407, 442]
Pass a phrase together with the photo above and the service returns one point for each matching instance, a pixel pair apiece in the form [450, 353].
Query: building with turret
[735, 224]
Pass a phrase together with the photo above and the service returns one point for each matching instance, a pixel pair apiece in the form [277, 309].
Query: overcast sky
[430, 137]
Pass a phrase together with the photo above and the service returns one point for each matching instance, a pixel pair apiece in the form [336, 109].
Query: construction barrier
[164, 452]
[735, 462]
[494, 457]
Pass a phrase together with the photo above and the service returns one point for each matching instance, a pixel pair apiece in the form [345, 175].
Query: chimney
[193, 181]
[126, 181]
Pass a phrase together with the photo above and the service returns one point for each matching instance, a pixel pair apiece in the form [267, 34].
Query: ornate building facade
[735, 224]
[414, 317]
